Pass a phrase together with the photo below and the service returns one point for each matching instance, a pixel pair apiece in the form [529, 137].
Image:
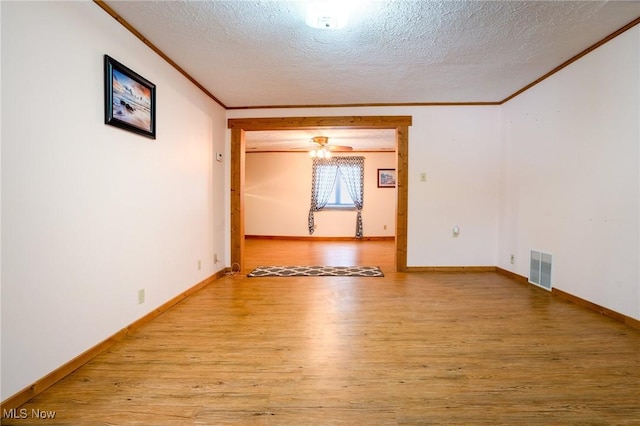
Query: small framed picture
[386, 178]
[129, 99]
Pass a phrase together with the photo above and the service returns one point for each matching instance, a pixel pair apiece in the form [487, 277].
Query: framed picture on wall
[129, 99]
[386, 178]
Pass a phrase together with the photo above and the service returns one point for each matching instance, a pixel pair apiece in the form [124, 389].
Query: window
[340, 197]
[339, 180]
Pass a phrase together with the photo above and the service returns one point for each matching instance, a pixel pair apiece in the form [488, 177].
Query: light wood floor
[419, 348]
[262, 252]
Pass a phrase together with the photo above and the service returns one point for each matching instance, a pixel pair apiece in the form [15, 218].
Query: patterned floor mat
[316, 271]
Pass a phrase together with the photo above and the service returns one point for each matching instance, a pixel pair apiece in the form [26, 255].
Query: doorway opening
[238, 128]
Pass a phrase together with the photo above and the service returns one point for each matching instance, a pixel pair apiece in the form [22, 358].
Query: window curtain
[323, 179]
[352, 172]
[325, 173]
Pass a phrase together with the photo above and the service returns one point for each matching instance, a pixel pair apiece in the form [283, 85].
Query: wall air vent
[540, 269]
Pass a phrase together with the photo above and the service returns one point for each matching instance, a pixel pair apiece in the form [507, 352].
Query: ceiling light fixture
[320, 153]
[328, 15]
[323, 150]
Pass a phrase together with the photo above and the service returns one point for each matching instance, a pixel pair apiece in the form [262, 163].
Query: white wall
[277, 198]
[92, 213]
[571, 179]
[459, 150]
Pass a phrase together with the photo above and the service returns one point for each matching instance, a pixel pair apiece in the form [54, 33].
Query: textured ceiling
[261, 53]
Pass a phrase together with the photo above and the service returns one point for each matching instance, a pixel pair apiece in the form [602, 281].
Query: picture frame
[386, 178]
[129, 99]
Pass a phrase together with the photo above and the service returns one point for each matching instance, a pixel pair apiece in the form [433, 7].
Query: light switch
[423, 177]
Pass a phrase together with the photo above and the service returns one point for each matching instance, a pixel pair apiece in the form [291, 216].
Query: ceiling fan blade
[322, 142]
[339, 148]
[303, 148]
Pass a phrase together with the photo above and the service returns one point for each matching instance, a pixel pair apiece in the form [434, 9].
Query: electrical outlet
[385, 227]
[141, 296]
[199, 264]
[512, 259]
[423, 177]
[215, 258]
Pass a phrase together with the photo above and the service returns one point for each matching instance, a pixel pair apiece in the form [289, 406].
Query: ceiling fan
[323, 148]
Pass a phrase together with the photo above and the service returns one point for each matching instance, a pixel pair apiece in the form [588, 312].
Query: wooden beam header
[350, 122]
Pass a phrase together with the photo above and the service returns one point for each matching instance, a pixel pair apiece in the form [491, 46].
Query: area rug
[316, 271]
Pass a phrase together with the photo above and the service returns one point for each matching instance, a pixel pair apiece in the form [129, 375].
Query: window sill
[340, 208]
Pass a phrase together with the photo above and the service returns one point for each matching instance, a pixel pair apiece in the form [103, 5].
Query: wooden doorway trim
[239, 126]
